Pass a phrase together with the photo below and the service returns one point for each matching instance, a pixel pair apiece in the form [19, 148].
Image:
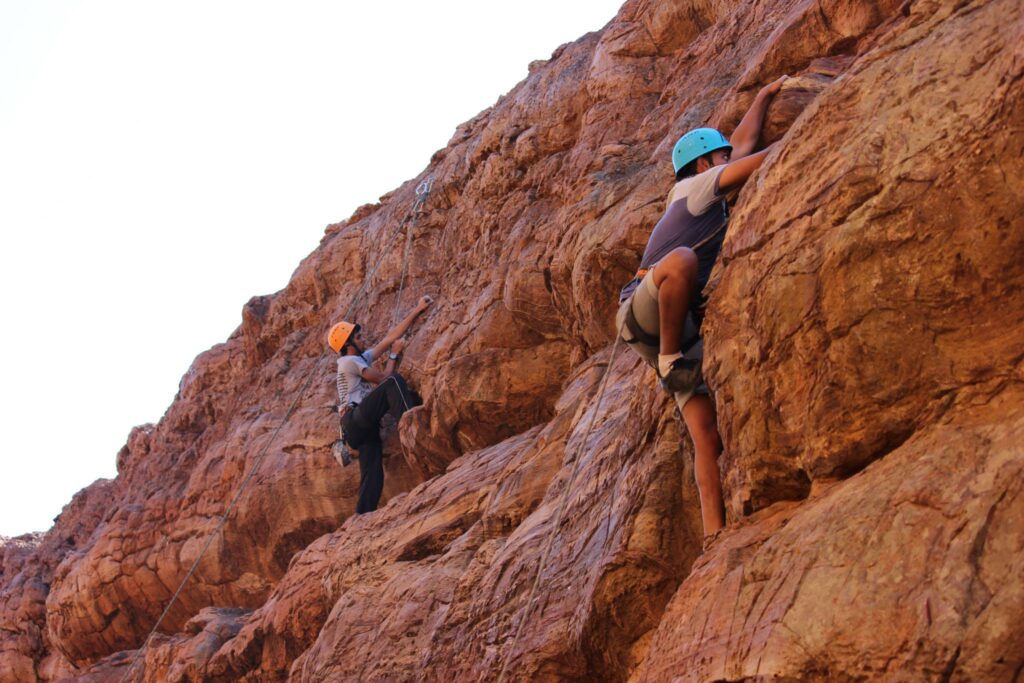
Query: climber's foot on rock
[682, 376]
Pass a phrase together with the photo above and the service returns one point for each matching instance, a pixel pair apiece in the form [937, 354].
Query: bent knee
[685, 253]
[680, 262]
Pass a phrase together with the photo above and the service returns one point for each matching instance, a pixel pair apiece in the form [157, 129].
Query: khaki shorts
[644, 301]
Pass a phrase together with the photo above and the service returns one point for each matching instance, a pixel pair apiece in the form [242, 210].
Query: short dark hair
[690, 169]
[350, 341]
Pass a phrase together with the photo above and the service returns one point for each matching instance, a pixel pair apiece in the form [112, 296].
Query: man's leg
[390, 396]
[371, 475]
[675, 276]
[701, 422]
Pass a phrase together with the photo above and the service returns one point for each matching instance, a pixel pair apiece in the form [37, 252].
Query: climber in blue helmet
[661, 309]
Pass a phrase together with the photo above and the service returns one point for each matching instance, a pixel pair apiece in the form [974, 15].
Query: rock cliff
[865, 341]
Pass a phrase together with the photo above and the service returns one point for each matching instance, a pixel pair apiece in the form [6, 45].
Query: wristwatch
[392, 356]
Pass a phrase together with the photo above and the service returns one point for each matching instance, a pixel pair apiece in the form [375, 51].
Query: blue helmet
[695, 144]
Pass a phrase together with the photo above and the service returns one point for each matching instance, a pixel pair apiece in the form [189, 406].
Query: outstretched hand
[425, 303]
[775, 85]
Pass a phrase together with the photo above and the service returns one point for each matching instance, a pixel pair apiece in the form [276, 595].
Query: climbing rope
[561, 509]
[422, 192]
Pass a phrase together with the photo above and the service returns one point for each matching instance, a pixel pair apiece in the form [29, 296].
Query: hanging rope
[417, 208]
[561, 509]
[422, 192]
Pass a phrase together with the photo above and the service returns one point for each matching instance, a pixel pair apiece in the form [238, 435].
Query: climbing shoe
[684, 375]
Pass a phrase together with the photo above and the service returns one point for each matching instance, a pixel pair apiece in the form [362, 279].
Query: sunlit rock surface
[865, 342]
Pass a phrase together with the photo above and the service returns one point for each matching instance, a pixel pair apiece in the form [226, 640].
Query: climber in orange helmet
[365, 395]
[661, 309]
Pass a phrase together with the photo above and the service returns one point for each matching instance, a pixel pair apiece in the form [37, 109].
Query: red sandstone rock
[27, 566]
[876, 293]
[909, 569]
[864, 341]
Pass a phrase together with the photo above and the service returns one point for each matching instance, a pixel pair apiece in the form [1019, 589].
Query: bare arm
[746, 135]
[374, 376]
[737, 172]
[401, 328]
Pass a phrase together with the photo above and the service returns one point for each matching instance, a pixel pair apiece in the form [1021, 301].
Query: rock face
[27, 567]
[865, 341]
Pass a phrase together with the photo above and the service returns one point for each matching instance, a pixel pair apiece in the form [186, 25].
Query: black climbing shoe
[684, 375]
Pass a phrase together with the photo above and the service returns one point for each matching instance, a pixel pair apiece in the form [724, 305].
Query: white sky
[160, 163]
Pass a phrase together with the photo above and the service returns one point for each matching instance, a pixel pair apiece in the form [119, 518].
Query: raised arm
[736, 172]
[746, 135]
[401, 328]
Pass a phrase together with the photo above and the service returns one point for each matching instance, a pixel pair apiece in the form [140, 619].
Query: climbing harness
[640, 335]
[422, 192]
[561, 508]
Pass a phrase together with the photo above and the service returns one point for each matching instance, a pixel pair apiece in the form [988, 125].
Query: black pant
[361, 428]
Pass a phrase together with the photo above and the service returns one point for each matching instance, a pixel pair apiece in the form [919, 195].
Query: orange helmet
[340, 334]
